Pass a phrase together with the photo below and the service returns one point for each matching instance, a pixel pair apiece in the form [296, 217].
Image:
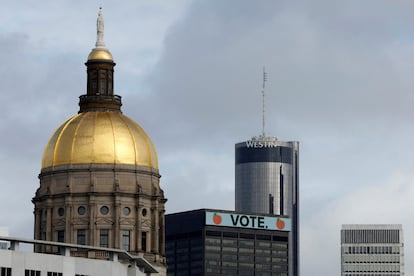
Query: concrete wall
[19, 261]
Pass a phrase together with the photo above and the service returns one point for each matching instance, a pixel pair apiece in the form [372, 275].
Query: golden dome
[100, 54]
[101, 137]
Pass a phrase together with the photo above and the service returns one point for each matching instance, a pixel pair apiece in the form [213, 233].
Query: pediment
[126, 221]
[104, 221]
[80, 221]
[146, 223]
[59, 222]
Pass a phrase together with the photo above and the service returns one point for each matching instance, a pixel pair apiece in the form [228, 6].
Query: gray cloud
[340, 81]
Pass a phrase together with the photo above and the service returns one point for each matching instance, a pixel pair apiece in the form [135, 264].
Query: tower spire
[264, 102]
[100, 30]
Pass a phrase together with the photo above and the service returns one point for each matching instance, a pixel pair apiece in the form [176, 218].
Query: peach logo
[280, 224]
[217, 219]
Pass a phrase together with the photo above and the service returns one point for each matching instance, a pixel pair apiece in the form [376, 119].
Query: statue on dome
[100, 30]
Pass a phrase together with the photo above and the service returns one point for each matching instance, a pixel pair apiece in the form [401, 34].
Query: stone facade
[82, 200]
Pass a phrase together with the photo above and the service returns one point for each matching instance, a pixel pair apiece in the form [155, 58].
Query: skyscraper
[267, 182]
[99, 181]
[372, 249]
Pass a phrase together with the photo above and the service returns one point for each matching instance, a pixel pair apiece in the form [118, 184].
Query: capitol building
[99, 208]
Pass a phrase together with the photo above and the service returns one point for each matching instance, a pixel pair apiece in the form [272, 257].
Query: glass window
[279, 245]
[246, 243]
[245, 258]
[263, 244]
[262, 251]
[144, 241]
[229, 242]
[213, 233]
[263, 259]
[230, 235]
[81, 236]
[263, 237]
[212, 248]
[104, 238]
[227, 257]
[229, 249]
[229, 272]
[61, 211]
[61, 236]
[215, 256]
[213, 241]
[246, 250]
[246, 236]
[5, 271]
[127, 211]
[243, 265]
[125, 239]
[54, 274]
[29, 272]
[104, 210]
[81, 210]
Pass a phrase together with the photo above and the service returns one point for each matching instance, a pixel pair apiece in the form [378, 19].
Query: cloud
[377, 203]
[190, 72]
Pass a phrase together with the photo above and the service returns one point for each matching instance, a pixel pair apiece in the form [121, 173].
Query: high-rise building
[99, 181]
[267, 182]
[372, 249]
[216, 242]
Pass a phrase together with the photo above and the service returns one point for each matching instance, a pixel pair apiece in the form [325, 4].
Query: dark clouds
[339, 81]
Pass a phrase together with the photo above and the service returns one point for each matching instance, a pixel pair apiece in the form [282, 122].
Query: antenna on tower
[263, 102]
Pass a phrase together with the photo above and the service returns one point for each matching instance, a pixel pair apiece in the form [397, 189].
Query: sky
[340, 81]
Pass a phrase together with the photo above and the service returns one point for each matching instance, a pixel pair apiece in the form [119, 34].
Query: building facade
[372, 249]
[267, 182]
[217, 242]
[99, 181]
[105, 262]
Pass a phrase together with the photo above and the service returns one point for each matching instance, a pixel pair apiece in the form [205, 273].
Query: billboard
[248, 221]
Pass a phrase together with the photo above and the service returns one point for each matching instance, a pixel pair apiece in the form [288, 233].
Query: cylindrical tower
[267, 182]
[99, 182]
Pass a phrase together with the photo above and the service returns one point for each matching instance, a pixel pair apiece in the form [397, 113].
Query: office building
[217, 242]
[267, 182]
[372, 250]
[99, 181]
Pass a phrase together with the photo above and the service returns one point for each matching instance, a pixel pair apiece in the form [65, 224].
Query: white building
[372, 249]
[71, 261]
[4, 231]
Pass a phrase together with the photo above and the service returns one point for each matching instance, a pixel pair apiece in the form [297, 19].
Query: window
[81, 236]
[54, 274]
[125, 239]
[5, 271]
[29, 272]
[104, 238]
[104, 210]
[61, 211]
[103, 87]
[144, 241]
[81, 210]
[61, 236]
[127, 211]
